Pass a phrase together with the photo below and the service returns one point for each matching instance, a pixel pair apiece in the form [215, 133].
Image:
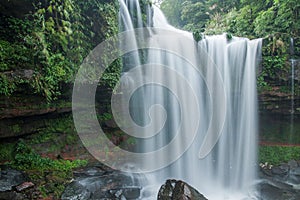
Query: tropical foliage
[277, 21]
[241, 17]
[52, 40]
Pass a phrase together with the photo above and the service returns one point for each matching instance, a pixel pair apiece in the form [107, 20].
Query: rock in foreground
[15, 185]
[103, 184]
[178, 190]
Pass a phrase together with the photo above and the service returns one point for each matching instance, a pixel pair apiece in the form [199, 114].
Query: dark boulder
[267, 190]
[281, 170]
[14, 185]
[11, 178]
[178, 190]
[12, 195]
[279, 182]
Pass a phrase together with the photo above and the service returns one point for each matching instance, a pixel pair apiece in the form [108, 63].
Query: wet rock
[293, 164]
[126, 192]
[295, 171]
[166, 190]
[271, 191]
[281, 182]
[10, 178]
[294, 176]
[129, 192]
[12, 195]
[24, 186]
[75, 191]
[268, 191]
[92, 171]
[266, 171]
[103, 183]
[132, 193]
[178, 190]
[281, 170]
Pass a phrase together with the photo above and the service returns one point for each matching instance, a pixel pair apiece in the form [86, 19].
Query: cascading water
[292, 97]
[293, 63]
[220, 159]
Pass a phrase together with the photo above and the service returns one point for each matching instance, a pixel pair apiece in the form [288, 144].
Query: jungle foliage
[243, 18]
[277, 21]
[51, 41]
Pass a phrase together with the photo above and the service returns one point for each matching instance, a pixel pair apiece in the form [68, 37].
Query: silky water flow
[203, 117]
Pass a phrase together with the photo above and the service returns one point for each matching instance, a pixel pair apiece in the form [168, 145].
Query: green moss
[279, 131]
[6, 151]
[276, 155]
[7, 87]
[56, 134]
[49, 175]
[197, 36]
[16, 128]
[105, 116]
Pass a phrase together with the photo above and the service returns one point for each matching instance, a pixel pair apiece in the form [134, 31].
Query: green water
[283, 129]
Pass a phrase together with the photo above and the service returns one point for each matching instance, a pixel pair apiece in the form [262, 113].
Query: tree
[194, 15]
[172, 10]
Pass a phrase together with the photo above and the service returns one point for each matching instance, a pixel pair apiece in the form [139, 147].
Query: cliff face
[24, 114]
[42, 44]
[279, 107]
[282, 96]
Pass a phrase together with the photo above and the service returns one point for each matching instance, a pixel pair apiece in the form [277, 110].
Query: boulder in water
[281, 170]
[178, 190]
[276, 191]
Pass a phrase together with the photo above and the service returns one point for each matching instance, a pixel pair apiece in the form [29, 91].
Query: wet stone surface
[280, 182]
[10, 178]
[101, 183]
[15, 185]
[179, 190]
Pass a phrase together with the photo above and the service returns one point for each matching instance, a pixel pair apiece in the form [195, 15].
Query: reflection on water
[276, 128]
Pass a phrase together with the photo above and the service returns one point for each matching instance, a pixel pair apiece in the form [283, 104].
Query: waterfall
[195, 102]
[293, 63]
[292, 47]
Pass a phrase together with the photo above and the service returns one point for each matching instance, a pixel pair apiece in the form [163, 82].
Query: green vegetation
[246, 18]
[52, 40]
[6, 151]
[7, 86]
[274, 20]
[50, 175]
[27, 159]
[276, 155]
[55, 136]
[58, 172]
[58, 140]
[105, 116]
